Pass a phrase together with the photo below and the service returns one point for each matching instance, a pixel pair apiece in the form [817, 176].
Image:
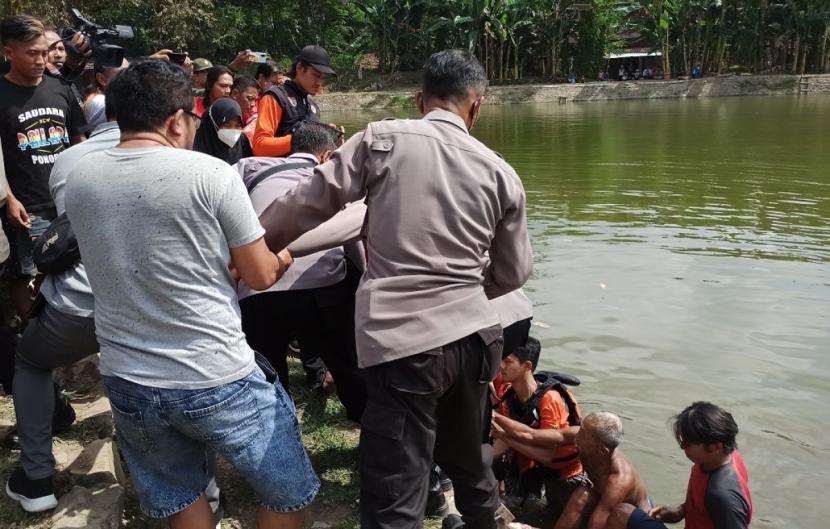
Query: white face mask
[229, 136]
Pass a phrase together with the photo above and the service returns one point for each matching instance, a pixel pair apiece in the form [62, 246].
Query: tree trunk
[516, 73]
[796, 51]
[685, 52]
[761, 38]
[502, 68]
[553, 59]
[706, 54]
[486, 57]
[506, 58]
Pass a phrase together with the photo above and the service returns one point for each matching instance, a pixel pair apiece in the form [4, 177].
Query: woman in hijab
[220, 133]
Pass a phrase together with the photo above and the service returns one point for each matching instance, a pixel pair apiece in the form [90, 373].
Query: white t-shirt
[155, 227]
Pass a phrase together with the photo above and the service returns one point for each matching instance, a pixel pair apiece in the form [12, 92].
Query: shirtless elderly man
[615, 481]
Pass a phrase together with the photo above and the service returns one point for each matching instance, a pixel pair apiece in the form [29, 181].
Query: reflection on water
[682, 252]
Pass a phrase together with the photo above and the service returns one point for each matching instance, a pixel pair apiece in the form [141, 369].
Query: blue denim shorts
[22, 243]
[164, 435]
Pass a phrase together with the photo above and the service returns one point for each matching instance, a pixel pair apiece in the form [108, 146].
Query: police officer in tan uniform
[445, 230]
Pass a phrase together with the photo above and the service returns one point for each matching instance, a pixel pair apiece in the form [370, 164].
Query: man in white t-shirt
[179, 374]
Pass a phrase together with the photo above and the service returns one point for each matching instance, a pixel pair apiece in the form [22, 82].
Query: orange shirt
[264, 143]
[553, 413]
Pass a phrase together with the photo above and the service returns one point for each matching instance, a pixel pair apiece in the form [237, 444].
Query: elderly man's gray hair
[607, 428]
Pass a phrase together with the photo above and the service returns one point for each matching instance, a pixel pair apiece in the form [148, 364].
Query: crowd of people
[216, 218]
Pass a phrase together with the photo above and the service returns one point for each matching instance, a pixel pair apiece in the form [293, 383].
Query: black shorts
[640, 520]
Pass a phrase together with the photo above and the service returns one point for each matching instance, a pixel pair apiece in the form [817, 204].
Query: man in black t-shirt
[39, 117]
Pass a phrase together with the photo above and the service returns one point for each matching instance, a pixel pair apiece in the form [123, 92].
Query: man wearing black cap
[283, 107]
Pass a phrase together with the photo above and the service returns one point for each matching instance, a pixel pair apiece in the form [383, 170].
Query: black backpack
[56, 251]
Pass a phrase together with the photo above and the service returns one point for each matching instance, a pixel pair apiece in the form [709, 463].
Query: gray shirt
[438, 201]
[512, 307]
[70, 292]
[155, 227]
[95, 111]
[319, 269]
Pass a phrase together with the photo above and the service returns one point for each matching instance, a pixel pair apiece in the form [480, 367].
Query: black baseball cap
[317, 57]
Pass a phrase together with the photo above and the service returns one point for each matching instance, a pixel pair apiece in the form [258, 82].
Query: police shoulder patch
[382, 145]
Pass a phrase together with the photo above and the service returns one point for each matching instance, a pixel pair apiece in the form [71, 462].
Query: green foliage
[513, 38]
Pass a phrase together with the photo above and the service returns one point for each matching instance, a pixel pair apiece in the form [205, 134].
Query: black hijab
[207, 140]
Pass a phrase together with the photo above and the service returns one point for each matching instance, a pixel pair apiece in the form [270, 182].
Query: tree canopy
[515, 39]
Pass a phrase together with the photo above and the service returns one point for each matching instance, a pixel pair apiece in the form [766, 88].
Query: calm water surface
[681, 254]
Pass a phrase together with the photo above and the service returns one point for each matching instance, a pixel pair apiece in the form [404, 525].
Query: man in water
[615, 480]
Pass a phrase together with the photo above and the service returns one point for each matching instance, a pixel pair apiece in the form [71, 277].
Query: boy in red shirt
[541, 402]
[718, 493]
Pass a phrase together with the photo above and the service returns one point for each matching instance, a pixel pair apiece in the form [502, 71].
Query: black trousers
[323, 321]
[430, 405]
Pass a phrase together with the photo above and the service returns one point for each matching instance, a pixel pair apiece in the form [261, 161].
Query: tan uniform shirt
[438, 202]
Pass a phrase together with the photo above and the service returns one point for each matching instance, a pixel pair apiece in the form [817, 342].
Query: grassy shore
[331, 441]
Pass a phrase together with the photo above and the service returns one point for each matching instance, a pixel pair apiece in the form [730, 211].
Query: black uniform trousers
[323, 321]
[430, 405]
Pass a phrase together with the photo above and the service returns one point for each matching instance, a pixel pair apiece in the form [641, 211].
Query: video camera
[103, 53]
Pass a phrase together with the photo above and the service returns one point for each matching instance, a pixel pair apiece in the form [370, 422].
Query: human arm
[16, 212]
[500, 448]
[257, 266]
[582, 501]
[511, 257]
[343, 228]
[613, 493]
[341, 180]
[162, 55]
[268, 120]
[507, 428]
[668, 514]
[78, 54]
[539, 454]
[242, 58]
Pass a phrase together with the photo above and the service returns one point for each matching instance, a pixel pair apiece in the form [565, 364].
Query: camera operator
[62, 66]
[39, 117]
[67, 62]
[57, 50]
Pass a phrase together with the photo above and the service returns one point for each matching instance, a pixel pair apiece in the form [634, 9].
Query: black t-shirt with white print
[36, 123]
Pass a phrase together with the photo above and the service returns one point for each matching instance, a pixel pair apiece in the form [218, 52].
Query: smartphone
[261, 56]
[177, 58]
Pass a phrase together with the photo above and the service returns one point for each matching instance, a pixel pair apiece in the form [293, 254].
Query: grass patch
[330, 439]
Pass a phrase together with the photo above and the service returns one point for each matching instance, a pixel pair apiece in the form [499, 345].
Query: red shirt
[719, 499]
[198, 105]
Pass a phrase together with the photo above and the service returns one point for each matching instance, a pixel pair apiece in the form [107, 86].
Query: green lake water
[682, 253]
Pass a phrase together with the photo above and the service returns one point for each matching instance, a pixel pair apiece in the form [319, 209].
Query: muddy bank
[732, 85]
